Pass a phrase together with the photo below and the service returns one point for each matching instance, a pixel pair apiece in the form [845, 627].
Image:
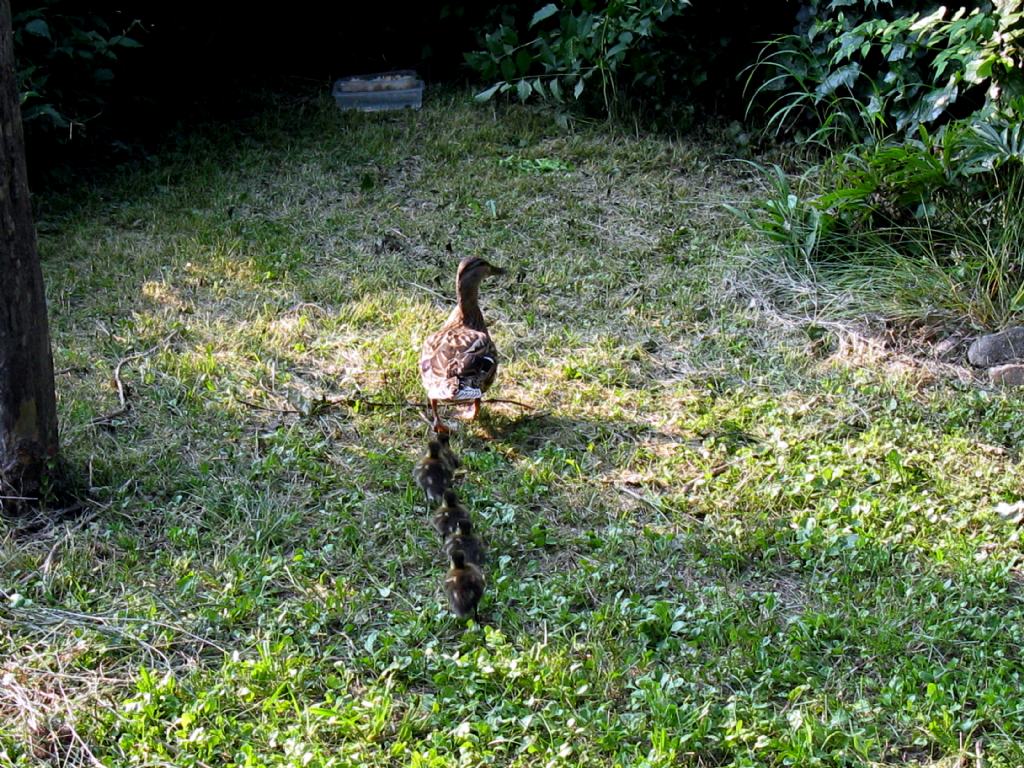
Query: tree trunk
[28, 408]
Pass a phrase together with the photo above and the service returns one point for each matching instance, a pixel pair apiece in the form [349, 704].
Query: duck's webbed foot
[438, 425]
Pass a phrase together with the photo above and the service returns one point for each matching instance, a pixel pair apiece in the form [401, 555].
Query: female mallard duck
[459, 362]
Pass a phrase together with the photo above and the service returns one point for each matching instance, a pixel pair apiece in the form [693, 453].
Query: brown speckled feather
[460, 362]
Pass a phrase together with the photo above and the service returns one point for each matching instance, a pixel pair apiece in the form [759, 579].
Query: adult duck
[459, 362]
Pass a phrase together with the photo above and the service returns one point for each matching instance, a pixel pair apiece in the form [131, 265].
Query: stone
[1011, 375]
[1012, 513]
[997, 348]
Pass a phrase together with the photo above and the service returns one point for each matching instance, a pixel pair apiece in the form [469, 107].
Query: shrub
[867, 69]
[575, 48]
[66, 58]
[664, 57]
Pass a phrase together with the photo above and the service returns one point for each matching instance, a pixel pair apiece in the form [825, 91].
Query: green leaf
[979, 68]
[486, 95]
[125, 42]
[546, 12]
[508, 69]
[44, 110]
[615, 52]
[578, 89]
[928, 21]
[523, 90]
[848, 44]
[899, 51]
[39, 28]
[523, 61]
[844, 76]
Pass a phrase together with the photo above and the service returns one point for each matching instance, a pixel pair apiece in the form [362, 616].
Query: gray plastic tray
[381, 91]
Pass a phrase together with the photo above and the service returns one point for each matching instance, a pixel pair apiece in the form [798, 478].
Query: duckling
[446, 521]
[464, 539]
[431, 474]
[464, 585]
[460, 362]
[448, 456]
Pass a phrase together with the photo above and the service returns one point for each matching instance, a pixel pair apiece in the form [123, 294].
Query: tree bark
[28, 408]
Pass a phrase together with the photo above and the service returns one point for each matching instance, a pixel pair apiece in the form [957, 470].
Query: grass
[709, 545]
[958, 271]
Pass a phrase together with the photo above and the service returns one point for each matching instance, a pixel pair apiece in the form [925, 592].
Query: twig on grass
[688, 486]
[354, 402]
[258, 407]
[69, 719]
[657, 507]
[122, 398]
[715, 471]
[510, 402]
[431, 291]
[643, 500]
[318, 406]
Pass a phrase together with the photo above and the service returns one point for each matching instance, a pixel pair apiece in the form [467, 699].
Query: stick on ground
[107, 419]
